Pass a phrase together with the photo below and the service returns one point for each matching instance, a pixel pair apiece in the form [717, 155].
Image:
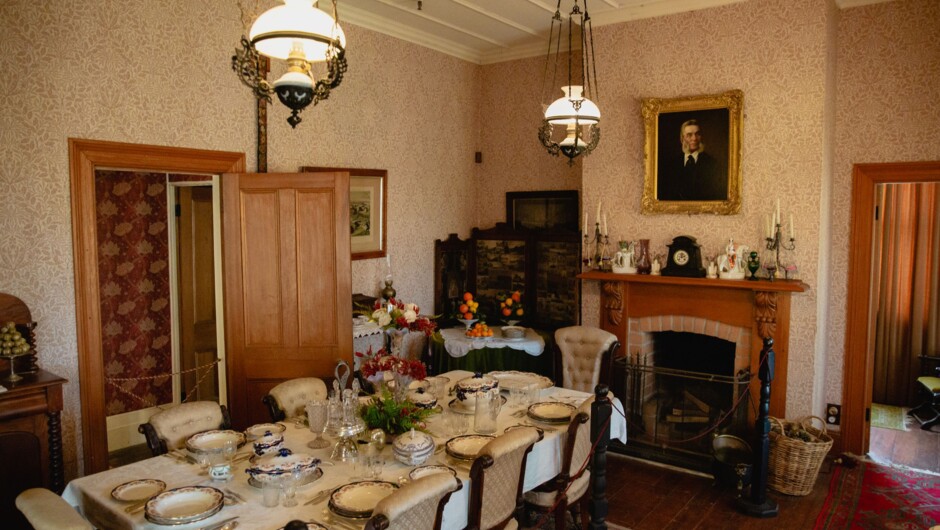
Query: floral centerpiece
[398, 318]
[510, 306]
[390, 410]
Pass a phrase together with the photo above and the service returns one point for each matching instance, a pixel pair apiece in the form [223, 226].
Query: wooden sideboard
[30, 438]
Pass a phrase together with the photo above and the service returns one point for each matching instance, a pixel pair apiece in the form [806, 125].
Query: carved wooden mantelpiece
[761, 306]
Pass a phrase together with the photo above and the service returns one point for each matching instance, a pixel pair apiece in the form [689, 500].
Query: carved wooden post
[600, 430]
[56, 472]
[759, 505]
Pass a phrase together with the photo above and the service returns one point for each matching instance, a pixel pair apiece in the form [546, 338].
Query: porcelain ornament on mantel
[732, 265]
[624, 262]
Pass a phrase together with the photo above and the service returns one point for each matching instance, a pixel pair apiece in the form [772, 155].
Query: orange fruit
[516, 296]
[509, 301]
[468, 316]
[463, 308]
[519, 312]
[467, 297]
[507, 311]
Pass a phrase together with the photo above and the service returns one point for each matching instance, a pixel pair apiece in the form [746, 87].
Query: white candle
[598, 216]
[585, 222]
[605, 225]
[766, 226]
[777, 214]
[388, 262]
[791, 227]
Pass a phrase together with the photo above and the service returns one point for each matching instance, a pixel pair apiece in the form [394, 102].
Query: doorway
[85, 156]
[859, 362]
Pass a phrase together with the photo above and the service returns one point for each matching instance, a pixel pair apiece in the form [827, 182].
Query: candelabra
[593, 250]
[774, 244]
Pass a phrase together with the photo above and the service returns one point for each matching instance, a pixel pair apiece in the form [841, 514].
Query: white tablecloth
[91, 494]
[458, 344]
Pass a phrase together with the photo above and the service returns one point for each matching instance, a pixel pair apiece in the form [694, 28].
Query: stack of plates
[183, 505]
[357, 500]
[551, 412]
[467, 447]
[213, 441]
[512, 379]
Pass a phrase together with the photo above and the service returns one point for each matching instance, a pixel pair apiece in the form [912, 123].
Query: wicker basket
[794, 463]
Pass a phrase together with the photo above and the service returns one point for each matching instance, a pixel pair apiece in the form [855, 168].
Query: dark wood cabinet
[30, 440]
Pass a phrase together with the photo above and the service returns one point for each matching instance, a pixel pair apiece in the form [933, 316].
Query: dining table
[451, 349]
[91, 494]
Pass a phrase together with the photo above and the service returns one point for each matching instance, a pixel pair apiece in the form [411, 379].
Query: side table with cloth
[452, 350]
[92, 494]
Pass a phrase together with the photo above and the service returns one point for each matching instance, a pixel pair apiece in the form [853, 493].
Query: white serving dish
[268, 443]
[422, 399]
[271, 467]
[513, 379]
[257, 431]
[513, 332]
[468, 388]
[213, 441]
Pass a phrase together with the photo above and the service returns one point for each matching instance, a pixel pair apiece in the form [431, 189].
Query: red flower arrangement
[375, 364]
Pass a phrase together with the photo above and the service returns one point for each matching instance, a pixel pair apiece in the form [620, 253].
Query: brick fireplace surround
[634, 306]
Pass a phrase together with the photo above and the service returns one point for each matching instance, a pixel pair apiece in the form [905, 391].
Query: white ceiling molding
[657, 8]
[846, 4]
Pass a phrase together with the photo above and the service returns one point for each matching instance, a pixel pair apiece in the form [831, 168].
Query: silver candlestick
[774, 244]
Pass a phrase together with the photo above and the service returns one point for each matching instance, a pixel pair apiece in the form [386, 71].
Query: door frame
[84, 157]
[859, 357]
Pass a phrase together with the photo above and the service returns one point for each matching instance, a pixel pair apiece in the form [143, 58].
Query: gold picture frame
[711, 181]
[368, 210]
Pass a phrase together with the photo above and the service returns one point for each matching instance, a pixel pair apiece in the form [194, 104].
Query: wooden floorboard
[913, 447]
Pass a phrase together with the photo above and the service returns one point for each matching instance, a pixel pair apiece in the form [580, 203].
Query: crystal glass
[291, 481]
[317, 414]
[456, 423]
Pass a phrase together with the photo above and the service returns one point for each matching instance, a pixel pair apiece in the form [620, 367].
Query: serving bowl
[270, 467]
[468, 389]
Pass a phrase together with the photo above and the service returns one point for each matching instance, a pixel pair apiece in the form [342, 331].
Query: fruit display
[479, 331]
[467, 310]
[510, 305]
[12, 342]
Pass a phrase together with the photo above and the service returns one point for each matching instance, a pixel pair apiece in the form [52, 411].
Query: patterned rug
[875, 496]
[887, 417]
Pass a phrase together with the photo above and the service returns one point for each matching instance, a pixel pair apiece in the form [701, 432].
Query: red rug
[875, 496]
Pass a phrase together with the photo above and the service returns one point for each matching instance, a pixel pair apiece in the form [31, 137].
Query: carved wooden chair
[169, 429]
[418, 505]
[47, 511]
[496, 478]
[586, 355]
[288, 399]
[569, 488]
[928, 412]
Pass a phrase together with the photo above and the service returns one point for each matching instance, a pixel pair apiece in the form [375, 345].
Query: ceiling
[492, 31]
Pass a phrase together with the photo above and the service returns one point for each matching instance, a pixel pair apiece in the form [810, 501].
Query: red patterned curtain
[133, 268]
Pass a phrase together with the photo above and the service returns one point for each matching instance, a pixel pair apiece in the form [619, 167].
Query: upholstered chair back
[496, 477]
[175, 425]
[417, 505]
[584, 352]
[292, 395]
[47, 511]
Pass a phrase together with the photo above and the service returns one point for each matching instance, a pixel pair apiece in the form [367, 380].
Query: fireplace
[739, 314]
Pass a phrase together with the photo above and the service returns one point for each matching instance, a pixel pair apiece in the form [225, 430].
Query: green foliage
[394, 417]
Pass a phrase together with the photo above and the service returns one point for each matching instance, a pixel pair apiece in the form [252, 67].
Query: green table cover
[490, 359]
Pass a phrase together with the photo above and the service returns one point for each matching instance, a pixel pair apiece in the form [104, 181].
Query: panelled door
[288, 294]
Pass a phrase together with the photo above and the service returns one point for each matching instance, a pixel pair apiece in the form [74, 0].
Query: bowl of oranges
[467, 310]
[510, 307]
[479, 331]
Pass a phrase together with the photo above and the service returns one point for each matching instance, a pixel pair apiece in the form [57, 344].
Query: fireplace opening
[681, 394]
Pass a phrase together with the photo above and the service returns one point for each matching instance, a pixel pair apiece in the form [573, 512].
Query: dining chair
[47, 511]
[586, 354]
[568, 488]
[169, 429]
[289, 398]
[496, 478]
[418, 505]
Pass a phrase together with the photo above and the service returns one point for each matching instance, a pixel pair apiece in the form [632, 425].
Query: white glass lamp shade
[562, 110]
[297, 21]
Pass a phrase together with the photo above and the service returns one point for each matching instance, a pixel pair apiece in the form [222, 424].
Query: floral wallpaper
[134, 275]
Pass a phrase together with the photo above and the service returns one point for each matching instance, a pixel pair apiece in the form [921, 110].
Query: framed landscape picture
[693, 154]
[555, 210]
[368, 198]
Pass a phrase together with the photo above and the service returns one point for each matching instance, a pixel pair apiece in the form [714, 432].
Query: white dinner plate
[510, 379]
[551, 412]
[257, 431]
[358, 499]
[424, 471]
[138, 490]
[467, 446]
[213, 441]
[183, 505]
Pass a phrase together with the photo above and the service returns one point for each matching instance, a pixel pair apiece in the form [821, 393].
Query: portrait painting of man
[693, 154]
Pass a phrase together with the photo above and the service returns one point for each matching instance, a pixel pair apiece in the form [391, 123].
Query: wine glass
[291, 481]
[317, 412]
[228, 450]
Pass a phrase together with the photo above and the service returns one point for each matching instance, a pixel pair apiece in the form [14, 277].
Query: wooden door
[288, 294]
[197, 320]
